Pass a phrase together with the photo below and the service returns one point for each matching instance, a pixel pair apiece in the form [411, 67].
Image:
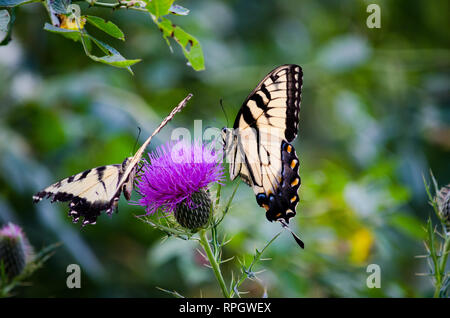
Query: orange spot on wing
[293, 163]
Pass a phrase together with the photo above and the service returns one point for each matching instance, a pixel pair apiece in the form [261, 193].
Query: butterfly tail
[295, 236]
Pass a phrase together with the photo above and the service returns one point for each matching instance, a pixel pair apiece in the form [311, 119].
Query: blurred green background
[374, 119]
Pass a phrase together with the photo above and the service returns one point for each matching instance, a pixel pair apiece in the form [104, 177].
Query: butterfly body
[259, 147]
[99, 189]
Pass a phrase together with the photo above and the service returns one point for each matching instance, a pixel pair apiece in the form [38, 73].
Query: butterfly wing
[129, 166]
[88, 192]
[265, 125]
[95, 190]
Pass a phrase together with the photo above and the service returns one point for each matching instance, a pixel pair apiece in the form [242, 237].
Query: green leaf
[178, 10]
[190, 45]
[159, 8]
[107, 27]
[5, 18]
[113, 57]
[70, 34]
[74, 35]
[13, 3]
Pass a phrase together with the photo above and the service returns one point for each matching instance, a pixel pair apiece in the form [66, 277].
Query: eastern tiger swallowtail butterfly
[98, 189]
[259, 147]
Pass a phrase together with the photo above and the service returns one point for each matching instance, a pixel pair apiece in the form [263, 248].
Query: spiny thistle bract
[15, 250]
[177, 179]
[443, 201]
[195, 215]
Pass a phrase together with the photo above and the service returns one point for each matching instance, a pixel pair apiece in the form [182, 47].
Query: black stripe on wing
[79, 205]
[293, 79]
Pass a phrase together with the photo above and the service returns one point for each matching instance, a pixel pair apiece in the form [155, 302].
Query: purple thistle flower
[177, 170]
[12, 231]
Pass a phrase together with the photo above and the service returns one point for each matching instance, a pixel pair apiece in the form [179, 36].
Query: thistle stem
[445, 252]
[441, 267]
[212, 260]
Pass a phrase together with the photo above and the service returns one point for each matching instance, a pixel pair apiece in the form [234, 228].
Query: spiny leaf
[173, 293]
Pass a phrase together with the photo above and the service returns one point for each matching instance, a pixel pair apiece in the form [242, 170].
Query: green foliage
[112, 57]
[191, 47]
[74, 35]
[159, 8]
[67, 20]
[107, 27]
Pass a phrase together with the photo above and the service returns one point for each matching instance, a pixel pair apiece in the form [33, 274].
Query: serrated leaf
[106, 26]
[5, 18]
[159, 8]
[13, 3]
[178, 10]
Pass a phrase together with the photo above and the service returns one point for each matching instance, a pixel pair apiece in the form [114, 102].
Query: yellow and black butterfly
[99, 189]
[259, 147]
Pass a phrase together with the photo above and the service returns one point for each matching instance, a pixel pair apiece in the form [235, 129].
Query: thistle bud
[443, 200]
[15, 250]
[194, 214]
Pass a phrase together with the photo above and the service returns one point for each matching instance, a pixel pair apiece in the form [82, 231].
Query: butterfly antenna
[296, 238]
[223, 109]
[137, 139]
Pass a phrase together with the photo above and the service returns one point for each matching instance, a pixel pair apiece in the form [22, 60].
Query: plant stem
[441, 267]
[212, 260]
[444, 255]
[117, 5]
[247, 271]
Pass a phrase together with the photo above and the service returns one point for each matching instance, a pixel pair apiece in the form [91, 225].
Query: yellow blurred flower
[361, 243]
[69, 22]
